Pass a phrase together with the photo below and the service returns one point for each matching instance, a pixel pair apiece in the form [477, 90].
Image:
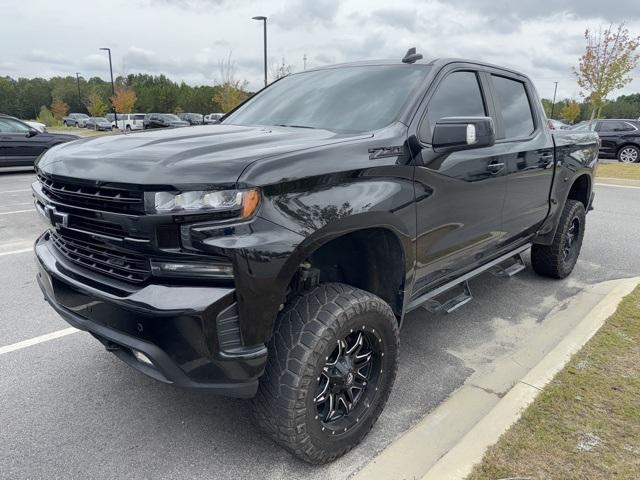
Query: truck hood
[211, 154]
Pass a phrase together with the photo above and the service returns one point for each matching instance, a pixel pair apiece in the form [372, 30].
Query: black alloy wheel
[347, 380]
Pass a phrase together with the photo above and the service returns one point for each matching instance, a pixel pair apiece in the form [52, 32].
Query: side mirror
[32, 133]
[452, 134]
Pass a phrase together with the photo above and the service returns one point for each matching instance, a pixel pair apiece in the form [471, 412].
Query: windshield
[100, 119]
[172, 118]
[350, 99]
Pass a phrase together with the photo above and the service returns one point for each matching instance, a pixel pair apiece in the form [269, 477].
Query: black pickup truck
[276, 254]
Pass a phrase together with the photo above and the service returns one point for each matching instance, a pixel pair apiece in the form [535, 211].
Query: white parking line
[615, 186]
[17, 211]
[13, 252]
[36, 340]
[16, 204]
[17, 191]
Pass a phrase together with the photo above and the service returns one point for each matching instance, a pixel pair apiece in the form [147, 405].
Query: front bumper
[190, 333]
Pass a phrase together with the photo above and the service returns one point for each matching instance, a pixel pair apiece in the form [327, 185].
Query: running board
[429, 299]
[442, 304]
[509, 268]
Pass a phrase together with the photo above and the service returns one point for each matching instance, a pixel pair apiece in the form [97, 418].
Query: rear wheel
[558, 259]
[333, 360]
[629, 154]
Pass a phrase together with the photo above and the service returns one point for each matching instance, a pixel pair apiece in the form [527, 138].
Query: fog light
[209, 270]
[141, 357]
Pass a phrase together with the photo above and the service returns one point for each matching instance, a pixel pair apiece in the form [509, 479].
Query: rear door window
[513, 103]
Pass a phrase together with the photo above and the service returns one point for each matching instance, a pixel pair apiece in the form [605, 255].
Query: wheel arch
[581, 190]
[363, 251]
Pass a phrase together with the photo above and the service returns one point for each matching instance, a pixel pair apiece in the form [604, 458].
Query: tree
[59, 109]
[570, 112]
[231, 91]
[96, 106]
[279, 70]
[46, 117]
[124, 100]
[606, 64]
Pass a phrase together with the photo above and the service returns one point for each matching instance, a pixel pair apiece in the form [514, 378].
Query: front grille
[100, 258]
[96, 198]
[90, 225]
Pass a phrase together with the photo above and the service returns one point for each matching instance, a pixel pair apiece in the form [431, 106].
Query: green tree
[96, 105]
[231, 91]
[570, 112]
[45, 116]
[606, 64]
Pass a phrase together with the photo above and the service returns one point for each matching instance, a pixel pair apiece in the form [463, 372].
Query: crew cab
[275, 255]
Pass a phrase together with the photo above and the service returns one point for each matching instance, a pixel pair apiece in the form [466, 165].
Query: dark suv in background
[192, 118]
[620, 138]
[163, 120]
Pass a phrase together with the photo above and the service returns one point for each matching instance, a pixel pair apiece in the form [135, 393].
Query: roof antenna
[411, 56]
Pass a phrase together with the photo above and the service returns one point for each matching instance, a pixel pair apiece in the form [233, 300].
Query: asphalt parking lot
[71, 410]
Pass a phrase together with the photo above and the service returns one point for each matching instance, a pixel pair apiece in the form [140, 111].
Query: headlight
[245, 202]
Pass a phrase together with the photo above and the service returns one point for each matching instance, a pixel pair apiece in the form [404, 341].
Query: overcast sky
[186, 39]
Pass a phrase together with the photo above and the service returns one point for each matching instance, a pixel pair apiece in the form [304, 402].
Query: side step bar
[433, 301]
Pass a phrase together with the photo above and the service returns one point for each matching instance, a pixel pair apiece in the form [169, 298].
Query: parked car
[620, 139]
[192, 118]
[557, 125]
[213, 118]
[98, 123]
[163, 120]
[41, 127]
[129, 121]
[21, 144]
[75, 120]
[278, 258]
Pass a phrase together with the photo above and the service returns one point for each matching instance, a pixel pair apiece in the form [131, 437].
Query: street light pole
[554, 98]
[79, 96]
[113, 88]
[264, 21]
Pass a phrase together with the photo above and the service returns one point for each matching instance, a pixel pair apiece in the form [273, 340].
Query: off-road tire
[550, 260]
[306, 333]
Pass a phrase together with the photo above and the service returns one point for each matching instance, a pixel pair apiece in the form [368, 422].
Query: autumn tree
[230, 92]
[96, 106]
[124, 100]
[570, 112]
[59, 109]
[606, 65]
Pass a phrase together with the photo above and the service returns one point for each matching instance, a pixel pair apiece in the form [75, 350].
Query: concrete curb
[447, 443]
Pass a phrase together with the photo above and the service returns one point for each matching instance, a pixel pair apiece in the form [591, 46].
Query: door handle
[495, 167]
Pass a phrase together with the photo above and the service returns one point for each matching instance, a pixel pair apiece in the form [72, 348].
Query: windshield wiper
[294, 126]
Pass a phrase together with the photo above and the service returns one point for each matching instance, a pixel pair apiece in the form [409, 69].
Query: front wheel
[332, 362]
[629, 154]
[558, 259]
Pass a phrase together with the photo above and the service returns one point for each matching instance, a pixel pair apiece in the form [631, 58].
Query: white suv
[129, 121]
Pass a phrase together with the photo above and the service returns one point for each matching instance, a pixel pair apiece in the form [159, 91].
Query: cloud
[402, 18]
[41, 56]
[306, 13]
[618, 11]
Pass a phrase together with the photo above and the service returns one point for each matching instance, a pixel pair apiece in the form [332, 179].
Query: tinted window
[458, 95]
[584, 126]
[9, 125]
[350, 99]
[614, 127]
[512, 101]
